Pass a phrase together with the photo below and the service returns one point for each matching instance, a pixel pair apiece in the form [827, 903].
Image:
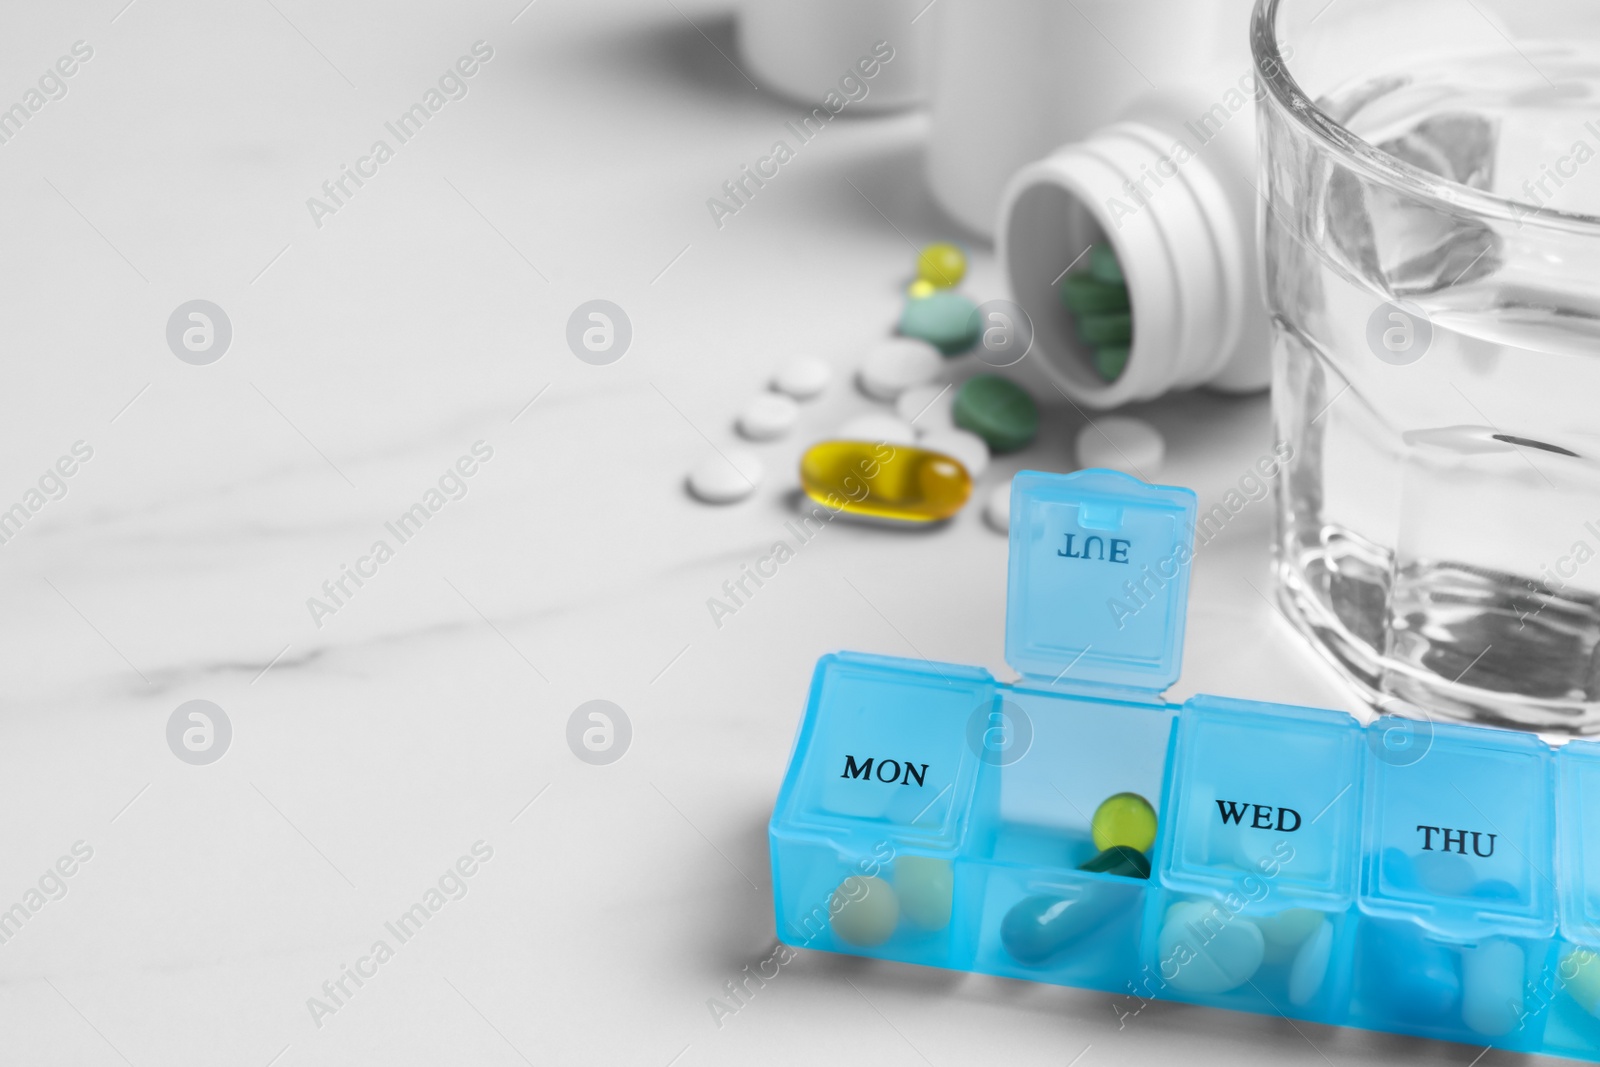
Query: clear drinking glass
[1431, 180]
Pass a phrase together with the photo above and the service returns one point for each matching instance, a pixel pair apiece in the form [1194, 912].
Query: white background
[368, 354]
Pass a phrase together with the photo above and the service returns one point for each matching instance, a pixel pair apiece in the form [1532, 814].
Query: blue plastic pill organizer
[1403, 876]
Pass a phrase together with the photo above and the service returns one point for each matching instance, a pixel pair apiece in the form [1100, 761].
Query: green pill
[997, 410]
[926, 887]
[1124, 819]
[948, 321]
[1084, 294]
[1115, 328]
[1103, 265]
[1110, 361]
[1121, 860]
[1583, 985]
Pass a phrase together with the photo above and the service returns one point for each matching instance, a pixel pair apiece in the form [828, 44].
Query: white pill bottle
[803, 48]
[1124, 122]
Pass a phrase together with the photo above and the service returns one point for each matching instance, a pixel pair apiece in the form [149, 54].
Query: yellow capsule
[942, 264]
[887, 481]
[921, 288]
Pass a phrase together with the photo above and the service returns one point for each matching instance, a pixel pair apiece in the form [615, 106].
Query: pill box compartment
[899, 758]
[1566, 993]
[1571, 994]
[874, 809]
[1258, 860]
[1457, 894]
[1095, 610]
[1400, 877]
[867, 897]
[1002, 822]
[1043, 917]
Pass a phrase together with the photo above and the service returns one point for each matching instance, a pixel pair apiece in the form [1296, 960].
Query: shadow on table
[1086, 1018]
[674, 56]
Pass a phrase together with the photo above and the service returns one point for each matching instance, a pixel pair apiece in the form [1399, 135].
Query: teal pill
[1110, 361]
[1414, 978]
[948, 321]
[1119, 860]
[999, 411]
[1103, 265]
[1445, 874]
[1114, 328]
[1037, 928]
[1084, 294]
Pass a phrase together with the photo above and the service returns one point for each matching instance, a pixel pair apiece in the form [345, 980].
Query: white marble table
[374, 746]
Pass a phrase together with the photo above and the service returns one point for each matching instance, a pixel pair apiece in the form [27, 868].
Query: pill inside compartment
[1061, 902]
[1457, 900]
[1571, 994]
[1258, 857]
[874, 810]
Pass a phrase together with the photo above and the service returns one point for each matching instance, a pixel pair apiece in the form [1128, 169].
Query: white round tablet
[725, 477]
[1122, 444]
[963, 445]
[803, 378]
[997, 509]
[929, 408]
[876, 427]
[896, 364]
[768, 416]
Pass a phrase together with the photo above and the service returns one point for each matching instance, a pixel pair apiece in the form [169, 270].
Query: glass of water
[1430, 174]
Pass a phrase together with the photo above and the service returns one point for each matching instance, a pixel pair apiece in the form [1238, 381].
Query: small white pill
[894, 365]
[997, 509]
[768, 416]
[929, 408]
[963, 445]
[876, 427]
[1310, 965]
[1122, 444]
[725, 477]
[803, 378]
[1492, 980]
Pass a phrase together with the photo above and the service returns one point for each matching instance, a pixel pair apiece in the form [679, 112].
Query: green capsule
[1120, 860]
[1084, 294]
[1115, 328]
[1110, 361]
[1103, 265]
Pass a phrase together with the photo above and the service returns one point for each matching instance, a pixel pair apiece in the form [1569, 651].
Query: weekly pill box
[1406, 876]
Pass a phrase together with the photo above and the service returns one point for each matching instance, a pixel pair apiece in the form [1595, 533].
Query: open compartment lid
[1099, 579]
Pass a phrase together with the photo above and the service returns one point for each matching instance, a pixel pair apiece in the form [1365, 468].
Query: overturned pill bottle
[1169, 190]
[1166, 178]
[1123, 124]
